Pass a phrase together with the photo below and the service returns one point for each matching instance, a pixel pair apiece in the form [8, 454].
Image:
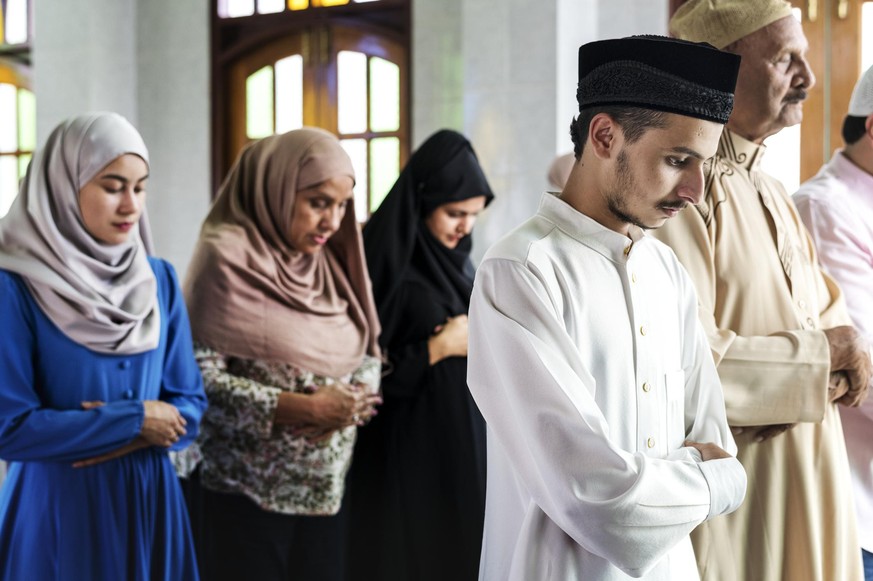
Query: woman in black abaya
[418, 474]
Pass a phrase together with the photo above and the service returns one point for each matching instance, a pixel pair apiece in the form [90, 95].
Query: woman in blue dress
[97, 375]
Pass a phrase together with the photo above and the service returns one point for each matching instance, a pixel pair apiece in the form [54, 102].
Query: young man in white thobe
[607, 436]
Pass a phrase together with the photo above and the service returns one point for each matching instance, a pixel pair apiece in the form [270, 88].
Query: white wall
[174, 118]
[510, 92]
[577, 24]
[437, 68]
[514, 65]
[84, 59]
[617, 18]
[501, 71]
[148, 61]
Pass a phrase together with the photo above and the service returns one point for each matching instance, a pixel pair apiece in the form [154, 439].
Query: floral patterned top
[241, 450]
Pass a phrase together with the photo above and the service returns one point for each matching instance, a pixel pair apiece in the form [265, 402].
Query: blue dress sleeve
[29, 431]
[182, 383]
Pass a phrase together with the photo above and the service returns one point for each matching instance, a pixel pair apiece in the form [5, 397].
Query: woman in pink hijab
[285, 333]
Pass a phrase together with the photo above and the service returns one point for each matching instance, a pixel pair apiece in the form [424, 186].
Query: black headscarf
[444, 169]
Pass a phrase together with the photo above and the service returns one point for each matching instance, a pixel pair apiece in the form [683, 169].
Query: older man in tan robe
[777, 324]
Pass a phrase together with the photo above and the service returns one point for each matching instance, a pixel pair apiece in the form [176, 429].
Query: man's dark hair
[854, 129]
[634, 122]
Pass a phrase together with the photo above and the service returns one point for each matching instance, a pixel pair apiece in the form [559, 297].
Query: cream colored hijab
[101, 296]
[251, 295]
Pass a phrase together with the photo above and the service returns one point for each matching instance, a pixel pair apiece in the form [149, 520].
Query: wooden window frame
[232, 38]
[16, 69]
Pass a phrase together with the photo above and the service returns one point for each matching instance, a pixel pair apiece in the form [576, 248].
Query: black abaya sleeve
[410, 364]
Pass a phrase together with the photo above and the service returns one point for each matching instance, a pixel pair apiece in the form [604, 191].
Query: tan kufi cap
[721, 22]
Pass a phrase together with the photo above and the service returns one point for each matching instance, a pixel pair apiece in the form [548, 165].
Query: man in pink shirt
[837, 208]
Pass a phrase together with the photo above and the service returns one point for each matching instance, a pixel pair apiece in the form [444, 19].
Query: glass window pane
[384, 95]
[866, 36]
[352, 91]
[236, 8]
[783, 157]
[8, 181]
[16, 21]
[23, 160]
[259, 103]
[289, 93]
[8, 118]
[26, 120]
[298, 4]
[357, 150]
[270, 6]
[385, 164]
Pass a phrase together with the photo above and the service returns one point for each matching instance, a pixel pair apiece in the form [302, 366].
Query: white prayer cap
[861, 104]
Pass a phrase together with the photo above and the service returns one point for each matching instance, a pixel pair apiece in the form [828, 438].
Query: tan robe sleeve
[779, 378]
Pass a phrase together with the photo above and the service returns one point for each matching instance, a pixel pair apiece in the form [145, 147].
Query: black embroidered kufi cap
[656, 72]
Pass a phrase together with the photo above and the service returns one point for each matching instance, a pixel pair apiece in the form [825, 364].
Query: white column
[84, 59]
[520, 78]
[437, 68]
[148, 61]
[582, 21]
[577, 24]
[508, 69]
[619, 18]
[519, 75]
[174, 114]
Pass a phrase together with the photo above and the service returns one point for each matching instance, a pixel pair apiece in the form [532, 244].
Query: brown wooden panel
[835, 55]
[815, 121]
[846, 64]
[371, 42]
[237, 75]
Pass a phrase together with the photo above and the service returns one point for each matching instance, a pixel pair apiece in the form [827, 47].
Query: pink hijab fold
[251, 295]
[101, 296]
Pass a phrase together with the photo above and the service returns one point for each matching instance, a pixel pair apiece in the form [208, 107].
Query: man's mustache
[796, 96]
